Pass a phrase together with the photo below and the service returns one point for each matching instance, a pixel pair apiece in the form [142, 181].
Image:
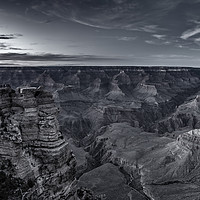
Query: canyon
[88, 132]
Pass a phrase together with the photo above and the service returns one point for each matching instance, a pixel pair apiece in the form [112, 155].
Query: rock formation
[172, 172]
[186, 115]
[31, 139]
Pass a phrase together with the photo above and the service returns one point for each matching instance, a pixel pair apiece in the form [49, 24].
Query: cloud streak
[113, 14]
[160, 37]
[190, 33]
[9, 36]
[3, 46]
[53, 57]
[127, 39]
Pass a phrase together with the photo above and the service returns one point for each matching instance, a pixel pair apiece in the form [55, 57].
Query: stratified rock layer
[31, 139]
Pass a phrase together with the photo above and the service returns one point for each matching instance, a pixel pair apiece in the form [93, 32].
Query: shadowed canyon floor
[101, 132]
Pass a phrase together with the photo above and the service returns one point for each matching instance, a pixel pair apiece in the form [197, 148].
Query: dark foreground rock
[32, 142]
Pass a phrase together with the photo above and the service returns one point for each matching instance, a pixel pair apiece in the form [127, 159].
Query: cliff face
[172, 172]
[31, 139]
[190, 140]
[186, 115]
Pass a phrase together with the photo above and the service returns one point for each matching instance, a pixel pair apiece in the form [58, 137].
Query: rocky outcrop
[186, 115]
[172, 172]
[190, 140]
[115, 92]
[94, 90]
[122, 78]
[47, 83]
[73, 80]
[144, 91]
[31, 139]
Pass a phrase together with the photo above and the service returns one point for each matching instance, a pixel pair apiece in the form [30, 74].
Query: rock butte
[31, 139]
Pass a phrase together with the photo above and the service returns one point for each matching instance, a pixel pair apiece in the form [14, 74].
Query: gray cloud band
[53, 57]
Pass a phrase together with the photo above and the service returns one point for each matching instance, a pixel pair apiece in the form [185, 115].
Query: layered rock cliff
[31, 140]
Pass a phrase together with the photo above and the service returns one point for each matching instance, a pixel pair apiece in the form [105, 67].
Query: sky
[99, 32]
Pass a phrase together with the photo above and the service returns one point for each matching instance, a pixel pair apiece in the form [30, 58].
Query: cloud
[195, 49]
[3, 46]
[127, 39]
[112, 14]
[171, 56]
[190, 33]
[88, 24]
[8, 64]
[197, 41]
[150, 42]
[25, 59]
[194, 21]
[151, 28]
[16, 48]
[6, 37]
[160, 37]
[158, 42]
[9, 36]
[53, 57]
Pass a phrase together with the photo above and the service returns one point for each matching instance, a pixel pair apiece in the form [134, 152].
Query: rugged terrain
[134, 131]
[31, 140]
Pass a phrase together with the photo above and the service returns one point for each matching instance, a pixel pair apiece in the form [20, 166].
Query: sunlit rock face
[190, 140]
[187, 114]
[172, 172]
[31, 139]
